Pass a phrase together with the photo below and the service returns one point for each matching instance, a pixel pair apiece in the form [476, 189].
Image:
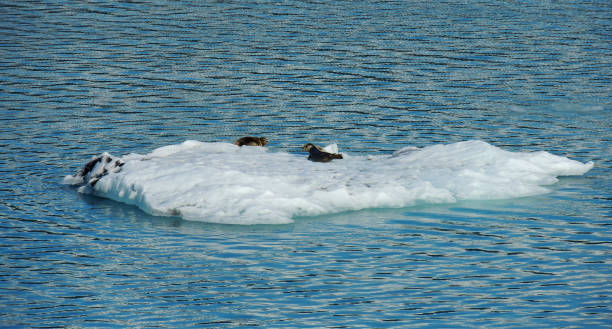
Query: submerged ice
[224, 183]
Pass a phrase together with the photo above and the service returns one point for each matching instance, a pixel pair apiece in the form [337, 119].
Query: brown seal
[252, 141]
[317, 154]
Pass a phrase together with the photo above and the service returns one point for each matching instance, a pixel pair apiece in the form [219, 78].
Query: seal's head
[308, 146]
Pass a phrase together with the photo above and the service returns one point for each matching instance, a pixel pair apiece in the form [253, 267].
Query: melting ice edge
[224, 183]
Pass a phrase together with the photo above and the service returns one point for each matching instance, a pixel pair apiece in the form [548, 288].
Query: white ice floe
[224, 183]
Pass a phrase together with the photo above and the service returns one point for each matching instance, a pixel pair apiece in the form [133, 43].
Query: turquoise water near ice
[78, 79]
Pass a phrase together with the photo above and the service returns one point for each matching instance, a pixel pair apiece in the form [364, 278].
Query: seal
[251, 141]
[317, 154]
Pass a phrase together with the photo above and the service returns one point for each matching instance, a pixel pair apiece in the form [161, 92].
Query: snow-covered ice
[224, 183]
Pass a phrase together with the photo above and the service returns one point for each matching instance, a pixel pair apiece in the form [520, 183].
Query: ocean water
[80, 79]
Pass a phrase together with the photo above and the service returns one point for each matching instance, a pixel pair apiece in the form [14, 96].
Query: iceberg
[224, 183]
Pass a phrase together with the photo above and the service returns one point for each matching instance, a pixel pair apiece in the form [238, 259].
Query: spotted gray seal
[317, 154]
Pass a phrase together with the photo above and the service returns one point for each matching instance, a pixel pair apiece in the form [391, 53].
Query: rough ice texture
[224, 183]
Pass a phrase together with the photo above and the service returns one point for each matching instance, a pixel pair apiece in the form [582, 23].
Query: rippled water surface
[78, 79]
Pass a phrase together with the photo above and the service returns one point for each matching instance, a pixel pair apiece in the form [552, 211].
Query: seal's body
[317, 154]
[252, 141]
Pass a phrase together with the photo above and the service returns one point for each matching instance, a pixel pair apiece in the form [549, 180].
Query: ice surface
[224, 183]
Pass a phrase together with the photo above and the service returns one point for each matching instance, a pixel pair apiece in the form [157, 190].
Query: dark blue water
[77, 79]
